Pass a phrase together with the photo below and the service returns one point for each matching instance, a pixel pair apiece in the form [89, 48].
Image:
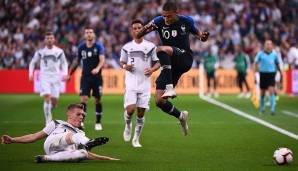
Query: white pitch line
[290, 113]
[250, 117]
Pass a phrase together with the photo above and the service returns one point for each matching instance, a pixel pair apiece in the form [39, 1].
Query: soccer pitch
[218, 139]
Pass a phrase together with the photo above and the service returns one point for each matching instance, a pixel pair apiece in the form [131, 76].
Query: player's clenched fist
[204, 36]
[5, 139]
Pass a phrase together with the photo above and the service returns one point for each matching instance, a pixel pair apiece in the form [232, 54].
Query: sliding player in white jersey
[52, 61]
[136, 58]
[65, 141]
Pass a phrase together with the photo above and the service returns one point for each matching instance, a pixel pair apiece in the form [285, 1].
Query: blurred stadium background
[219, 140]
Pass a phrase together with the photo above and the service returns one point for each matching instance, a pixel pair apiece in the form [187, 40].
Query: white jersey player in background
[64, 142]
[52, 61]
[136, 58]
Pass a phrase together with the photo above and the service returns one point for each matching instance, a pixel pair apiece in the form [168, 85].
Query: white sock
[47, 107]
[74, 155]
[127, 118]
[79, 138]
[138, 128]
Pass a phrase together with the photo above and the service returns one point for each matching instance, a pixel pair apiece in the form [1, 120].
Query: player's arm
[155, 64]
[35, 58]
[100, 65]
[155, 67]
[92, 156]
[146, 29]
[256, 62]
[123, 60]
[202, 35]
[74, 66]
[75, 62]
[279, 66]
[64, 67]
[6, 139]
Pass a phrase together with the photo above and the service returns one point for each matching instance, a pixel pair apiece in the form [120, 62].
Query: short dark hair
[137, 21]
[75, 105]
[170, 6]
[89, 27]
[49, 33]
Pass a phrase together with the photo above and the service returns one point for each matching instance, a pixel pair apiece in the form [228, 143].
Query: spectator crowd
[231, 23]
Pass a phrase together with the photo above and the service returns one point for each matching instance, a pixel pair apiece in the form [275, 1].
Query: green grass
[218, 139]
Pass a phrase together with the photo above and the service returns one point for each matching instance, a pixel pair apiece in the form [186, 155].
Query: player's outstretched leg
[128, 125]
[96, 142]
[64, 156]
[169, 108]
[138, 129]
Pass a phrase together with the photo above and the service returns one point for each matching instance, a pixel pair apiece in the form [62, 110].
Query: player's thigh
[57, 142]
[96, 87]
[181, 63]
[55, 88]
[130, 98]
[143, 100]
[73, 155]
[45, 86]
[85, 86]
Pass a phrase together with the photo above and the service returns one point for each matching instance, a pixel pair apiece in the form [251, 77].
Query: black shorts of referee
[267, 79]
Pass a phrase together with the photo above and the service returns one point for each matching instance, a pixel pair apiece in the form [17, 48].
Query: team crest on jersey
[174, 33]
[95, 50]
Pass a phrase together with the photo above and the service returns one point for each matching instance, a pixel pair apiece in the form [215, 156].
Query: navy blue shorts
[181, 62]
[93, 83]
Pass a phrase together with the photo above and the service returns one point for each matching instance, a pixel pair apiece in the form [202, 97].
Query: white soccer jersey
[56, 130]
[140, 55]
[52, 61]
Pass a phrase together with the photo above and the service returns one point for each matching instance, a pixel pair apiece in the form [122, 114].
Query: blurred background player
[136, 58]
[242, 65]
[52, 62]
[91, 53]
[267, 63]
[210, 66]
[64, 142]
[175, 55]
[293, 54]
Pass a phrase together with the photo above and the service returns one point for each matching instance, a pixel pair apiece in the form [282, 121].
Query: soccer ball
[283, 156]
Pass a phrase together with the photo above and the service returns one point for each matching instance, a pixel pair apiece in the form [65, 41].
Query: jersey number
[132, 61]
[166, 33]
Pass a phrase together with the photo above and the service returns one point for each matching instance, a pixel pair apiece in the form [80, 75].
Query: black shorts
[210, 75]
[241, 77]
[89, 83]
[181, 62]
[267, 80]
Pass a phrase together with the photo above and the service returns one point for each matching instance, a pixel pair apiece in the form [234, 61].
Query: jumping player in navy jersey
[174, 54]
[91, 53]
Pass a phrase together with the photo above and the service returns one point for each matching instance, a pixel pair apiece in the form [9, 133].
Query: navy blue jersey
[89, 56]
[177, 33]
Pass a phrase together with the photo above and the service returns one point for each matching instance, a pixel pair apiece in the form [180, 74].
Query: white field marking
[289, 113]
[250, 117]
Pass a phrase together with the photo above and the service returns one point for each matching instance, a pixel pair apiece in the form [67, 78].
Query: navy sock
[98, 111]
[169, 108]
